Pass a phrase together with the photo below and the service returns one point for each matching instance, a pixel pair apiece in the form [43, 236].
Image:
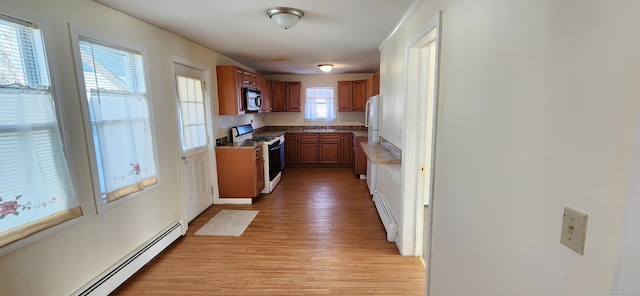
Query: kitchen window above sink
[320, 104]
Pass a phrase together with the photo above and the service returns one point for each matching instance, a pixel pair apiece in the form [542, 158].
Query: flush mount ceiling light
[285, 17]
[325, 67]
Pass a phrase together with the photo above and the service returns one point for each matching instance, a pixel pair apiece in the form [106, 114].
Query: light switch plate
[574, 229]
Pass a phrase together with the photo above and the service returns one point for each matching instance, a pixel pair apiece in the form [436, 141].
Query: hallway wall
[538, 110]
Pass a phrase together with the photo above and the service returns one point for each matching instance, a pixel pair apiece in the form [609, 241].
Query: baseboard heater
[385, 215]
[113, 277]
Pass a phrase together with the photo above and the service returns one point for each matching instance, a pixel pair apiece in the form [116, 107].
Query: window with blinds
[118, 107]
[35, 188]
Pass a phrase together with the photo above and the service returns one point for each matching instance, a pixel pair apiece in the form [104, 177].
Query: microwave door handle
[258, 101]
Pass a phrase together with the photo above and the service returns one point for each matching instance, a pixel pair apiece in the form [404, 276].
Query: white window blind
[192, 115]
[120, 122]
[35, 188]
[320, 104]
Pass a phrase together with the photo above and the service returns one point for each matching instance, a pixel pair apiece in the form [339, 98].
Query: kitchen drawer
[329, 138]
[308, 138]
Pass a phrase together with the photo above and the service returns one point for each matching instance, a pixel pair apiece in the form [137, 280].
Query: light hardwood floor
[318, 233]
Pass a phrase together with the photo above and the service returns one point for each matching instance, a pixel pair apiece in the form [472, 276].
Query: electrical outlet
[574, 229]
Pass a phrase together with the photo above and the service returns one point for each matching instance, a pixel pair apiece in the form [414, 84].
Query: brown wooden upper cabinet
[373, 85]
[231, 80]
[285, 96]
[230, 83]
[352, 95]
[249, 79]
[265, 87]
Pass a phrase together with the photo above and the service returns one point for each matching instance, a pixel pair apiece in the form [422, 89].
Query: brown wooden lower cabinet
[291, 148]
[360, 166]
[322, 149]
[346, 147]
[240, 172]
[329, 148]
[308, 148]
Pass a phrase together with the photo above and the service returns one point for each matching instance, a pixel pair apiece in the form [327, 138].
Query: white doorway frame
[423, 63]
[210, 128]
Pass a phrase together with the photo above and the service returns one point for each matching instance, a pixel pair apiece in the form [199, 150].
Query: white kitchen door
[195, 148]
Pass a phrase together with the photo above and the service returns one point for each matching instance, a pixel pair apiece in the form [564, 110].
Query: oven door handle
[276, 147]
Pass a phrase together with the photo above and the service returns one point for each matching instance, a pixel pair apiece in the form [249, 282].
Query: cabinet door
[360, 166]
[375, 84]
[249, 79]
[329, 148]
[344, 95]
[308, 152]
[291, 148]
[329, 153]
[293, 96]
[236, 166]
[259, 175]
[229, 90]
[266, 95]
[253, 80]
[308, 148]
[278, 96]
[359, 95]
[346, 147]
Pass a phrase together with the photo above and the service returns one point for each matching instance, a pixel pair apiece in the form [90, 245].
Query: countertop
[378, 153]
[279, 131]
[276, 133]
[244, 145]
[361, 134]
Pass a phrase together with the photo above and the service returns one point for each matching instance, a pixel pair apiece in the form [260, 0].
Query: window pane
[192, 112]
[35, 188]
[119, 111]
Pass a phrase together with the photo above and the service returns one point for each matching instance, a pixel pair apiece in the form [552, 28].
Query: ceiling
[345, 33]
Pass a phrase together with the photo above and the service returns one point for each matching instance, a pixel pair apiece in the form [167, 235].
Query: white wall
[538, 109]
[226, 122]
[627, 270]
[66, 260]
[315, 80]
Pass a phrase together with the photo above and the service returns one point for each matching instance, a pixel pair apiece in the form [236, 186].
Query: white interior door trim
[426, 44]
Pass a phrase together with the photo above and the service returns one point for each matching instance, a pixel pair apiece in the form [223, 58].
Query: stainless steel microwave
[252, 99]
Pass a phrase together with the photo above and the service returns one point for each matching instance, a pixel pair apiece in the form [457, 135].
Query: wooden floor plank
[317, 233]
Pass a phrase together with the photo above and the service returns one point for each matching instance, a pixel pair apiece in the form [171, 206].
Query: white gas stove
[273, 154]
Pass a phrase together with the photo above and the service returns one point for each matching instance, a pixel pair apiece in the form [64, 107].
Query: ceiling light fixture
[285, 17]
[325, 67]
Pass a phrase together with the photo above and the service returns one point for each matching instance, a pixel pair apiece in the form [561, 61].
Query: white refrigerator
[372, 118]
[372, 122]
